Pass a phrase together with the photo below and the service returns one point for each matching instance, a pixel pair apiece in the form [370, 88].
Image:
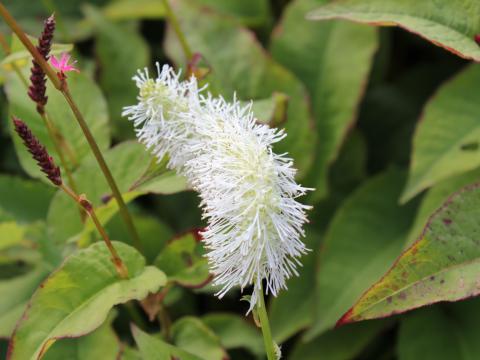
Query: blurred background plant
[350, 97]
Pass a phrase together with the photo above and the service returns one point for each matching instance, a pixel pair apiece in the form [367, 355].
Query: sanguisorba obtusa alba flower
[248, 192]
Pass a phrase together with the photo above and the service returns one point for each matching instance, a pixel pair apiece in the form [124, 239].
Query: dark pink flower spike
[37, 88]
[38, 152]
[63, 65]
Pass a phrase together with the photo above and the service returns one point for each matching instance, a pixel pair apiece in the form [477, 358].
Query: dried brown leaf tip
[38, 151]
[38, 78]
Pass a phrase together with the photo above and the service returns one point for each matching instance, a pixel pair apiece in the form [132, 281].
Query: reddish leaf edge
[349, 316]
[312, 16]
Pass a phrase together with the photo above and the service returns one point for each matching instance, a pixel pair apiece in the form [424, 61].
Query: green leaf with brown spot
[443, 265]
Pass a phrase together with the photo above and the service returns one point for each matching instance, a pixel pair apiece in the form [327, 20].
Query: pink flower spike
[62, 65]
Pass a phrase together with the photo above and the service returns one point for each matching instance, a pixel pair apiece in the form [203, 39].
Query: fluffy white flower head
[157, 115]
[248, 192]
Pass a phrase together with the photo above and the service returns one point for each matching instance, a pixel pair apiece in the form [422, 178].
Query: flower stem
[85, 204]
[62, 86]
[48, 124]
[265, 325]
[104, 167]
[178, 31]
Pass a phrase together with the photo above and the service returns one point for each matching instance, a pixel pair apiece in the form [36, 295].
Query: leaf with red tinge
[442, 265]
[76, 298]
[451, 24]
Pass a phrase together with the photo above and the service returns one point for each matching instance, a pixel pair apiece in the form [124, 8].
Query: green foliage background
[381, 105]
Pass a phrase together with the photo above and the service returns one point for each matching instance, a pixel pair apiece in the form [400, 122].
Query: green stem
[86, 205]
[46, 121]
[178, 31]
[122, 207]
[62, 86]
[265, 325]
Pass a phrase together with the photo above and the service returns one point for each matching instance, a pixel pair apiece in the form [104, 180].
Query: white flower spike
[248, 192]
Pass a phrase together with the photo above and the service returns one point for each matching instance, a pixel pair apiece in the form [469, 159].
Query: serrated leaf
[78, 296]
[366, 234]
[441, 266]
[317, 54]
[89, 99]
[447, 138]
[245, 68]
[451, 24]
[155, 348]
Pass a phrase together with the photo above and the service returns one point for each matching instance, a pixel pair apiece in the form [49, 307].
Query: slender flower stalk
[52, 171]
[172, 18]
[248, 192]
[60, 83]
[37, 92]
[271, 349]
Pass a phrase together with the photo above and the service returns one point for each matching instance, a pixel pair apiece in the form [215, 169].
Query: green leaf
[451, 24]
[127, 162]
[78, 296]
[154, 233]
[249, 12]
[235, 332]
[284, 322]
[435, 197]
[134, 9]
[441, 266]
[447, 139]
[10, 234]
[192, 335]
[245, 68]
[441, 333]
[338, 344]
[365, 236]
[21, 57]
[183, 261]
[118, 63]
[316, 54]
[100, 344]
[155, 348]
[20, 289]
[25, 200]
[89, 99]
